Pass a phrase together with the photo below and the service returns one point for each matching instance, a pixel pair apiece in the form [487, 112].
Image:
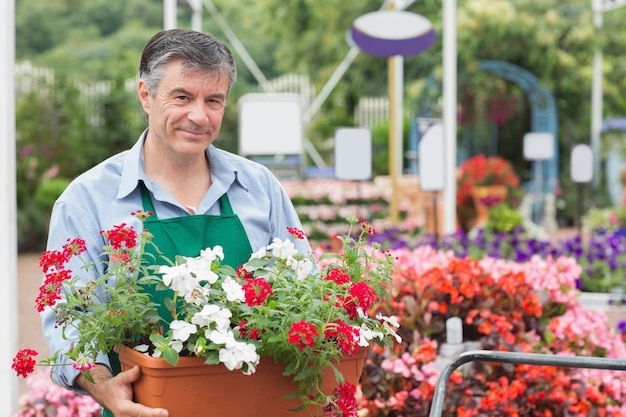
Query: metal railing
[590, 362]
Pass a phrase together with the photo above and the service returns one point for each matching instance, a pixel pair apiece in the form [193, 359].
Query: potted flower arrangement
[281, 307]
[484, 181]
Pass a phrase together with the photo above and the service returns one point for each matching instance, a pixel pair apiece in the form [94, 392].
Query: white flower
[182, 330]
[211, 254]
[366, 334]
[198, 296]
[235, 354]
[260, 254]
[212, 314]
[233, 290]
[143, 348]
[178, 278]
[177, 345]
[282, 249]
[200, 267]
[387, 323]
[217, 336]
[302, 267]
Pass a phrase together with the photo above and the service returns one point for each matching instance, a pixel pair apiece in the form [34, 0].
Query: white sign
[270, 124]
[353, 153]
[538, 146]
[431, 169]
[582, 163]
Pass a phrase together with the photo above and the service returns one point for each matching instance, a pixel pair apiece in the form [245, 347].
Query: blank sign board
[432, 159]
[582, 163]
[538, 146]
[270, 124]
[353, 153]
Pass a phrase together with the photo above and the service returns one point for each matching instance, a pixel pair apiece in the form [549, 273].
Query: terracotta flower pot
[193, 389]
[484, 197]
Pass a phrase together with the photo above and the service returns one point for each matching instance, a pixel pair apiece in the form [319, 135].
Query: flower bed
[46, 399]
[324, 204]
[529, 307]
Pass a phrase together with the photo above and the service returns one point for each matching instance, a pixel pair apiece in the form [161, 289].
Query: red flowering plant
[505, 306]
[482, 170]
[304, 312]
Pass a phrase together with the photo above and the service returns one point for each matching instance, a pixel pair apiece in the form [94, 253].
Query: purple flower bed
[602, 256]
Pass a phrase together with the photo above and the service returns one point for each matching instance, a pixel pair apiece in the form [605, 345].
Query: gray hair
[198, 52]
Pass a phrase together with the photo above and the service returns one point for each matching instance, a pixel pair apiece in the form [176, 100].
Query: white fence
[372, 111]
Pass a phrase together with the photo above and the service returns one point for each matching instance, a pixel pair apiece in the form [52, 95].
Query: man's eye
[181, 98]
[215, 103]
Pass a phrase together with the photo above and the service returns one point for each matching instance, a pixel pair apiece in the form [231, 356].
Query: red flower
[141, 215]
[248, 332]
[302, 334]
[344, 404]
[24, 362]
[75, 246]
[366, 226]
[243, 273]
[83, 367]
[364, 294]
[339, 276]
[256, 291]
[121, 236]
[53, 259]
[347, 336]
[297, 233]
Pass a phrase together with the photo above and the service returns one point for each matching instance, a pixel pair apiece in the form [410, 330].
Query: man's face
[185, 114]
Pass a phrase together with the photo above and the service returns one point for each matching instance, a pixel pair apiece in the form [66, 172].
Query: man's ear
[144, 96]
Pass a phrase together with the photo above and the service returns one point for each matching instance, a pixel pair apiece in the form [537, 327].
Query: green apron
[187, 236]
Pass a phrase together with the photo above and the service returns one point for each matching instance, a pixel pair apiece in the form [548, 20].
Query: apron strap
[225, 207]
[147, 201]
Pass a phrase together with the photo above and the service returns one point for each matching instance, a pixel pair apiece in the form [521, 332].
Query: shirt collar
[222, 169]
[132, 168]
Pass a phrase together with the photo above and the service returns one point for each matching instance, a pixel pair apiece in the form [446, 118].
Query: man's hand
[115, 393]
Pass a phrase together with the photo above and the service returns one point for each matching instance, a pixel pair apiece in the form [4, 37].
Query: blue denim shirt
[105, 196]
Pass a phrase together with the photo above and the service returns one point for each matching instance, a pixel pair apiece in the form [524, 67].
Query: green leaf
[171, 356]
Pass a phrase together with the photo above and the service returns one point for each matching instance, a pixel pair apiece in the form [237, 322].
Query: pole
[170, 8]
[579, 209]
[436, 218]
[393, 176]
[8, 213]
[196, 16]
[596, 93]
[449, 113]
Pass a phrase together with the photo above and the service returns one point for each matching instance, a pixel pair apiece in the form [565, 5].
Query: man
[201, 196]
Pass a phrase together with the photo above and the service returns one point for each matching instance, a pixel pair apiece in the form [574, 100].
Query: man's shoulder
[103, 178]
[241, 163]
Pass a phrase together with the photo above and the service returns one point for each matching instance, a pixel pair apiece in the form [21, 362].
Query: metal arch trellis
[543, 114]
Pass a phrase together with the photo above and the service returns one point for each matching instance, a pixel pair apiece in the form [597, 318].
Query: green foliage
[49, 190]
[504, 218]
[604, 219]
[90, 41]
[380, 148]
